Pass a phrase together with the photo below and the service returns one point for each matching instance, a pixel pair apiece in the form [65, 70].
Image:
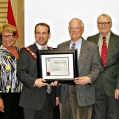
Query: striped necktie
[104, 52]
[73, 46]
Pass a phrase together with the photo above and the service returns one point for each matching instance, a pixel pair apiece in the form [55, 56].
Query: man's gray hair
[82, 24]
[105, 15]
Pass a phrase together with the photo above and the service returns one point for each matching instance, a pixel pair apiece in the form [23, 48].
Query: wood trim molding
[18, 8]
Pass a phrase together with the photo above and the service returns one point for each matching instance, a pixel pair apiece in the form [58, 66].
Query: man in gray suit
[35, 100]
[76, 100]
[107, 85]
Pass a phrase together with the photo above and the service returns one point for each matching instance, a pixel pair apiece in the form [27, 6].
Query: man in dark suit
[107, 85]
[76, 100]
[35, 100]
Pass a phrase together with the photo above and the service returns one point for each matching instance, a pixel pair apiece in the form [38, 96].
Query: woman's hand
[1, 105]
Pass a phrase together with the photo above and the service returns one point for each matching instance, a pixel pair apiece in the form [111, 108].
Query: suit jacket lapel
[96, 38]
[34, 47]
[112, 45]
[83, 54]
[66, 45]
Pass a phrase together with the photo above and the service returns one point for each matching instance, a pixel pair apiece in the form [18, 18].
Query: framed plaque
[57, 65]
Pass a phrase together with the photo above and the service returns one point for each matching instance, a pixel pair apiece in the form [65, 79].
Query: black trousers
[57, 113]
[46, 113]
[11, 104]
[106, 107]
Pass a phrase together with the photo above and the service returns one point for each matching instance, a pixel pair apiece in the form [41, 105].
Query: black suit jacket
[31, 97]
[109, 78]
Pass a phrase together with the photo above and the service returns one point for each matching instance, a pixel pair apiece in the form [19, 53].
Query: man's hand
[82, 80]
[57, 101]
[40, 82]
[55, 83]
[116, 93]
[1, 105]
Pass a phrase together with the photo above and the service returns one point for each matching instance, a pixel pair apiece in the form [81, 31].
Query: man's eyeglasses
[105, 23]
[7, 36]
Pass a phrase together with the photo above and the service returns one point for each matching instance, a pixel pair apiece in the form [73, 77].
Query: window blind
[3, 11]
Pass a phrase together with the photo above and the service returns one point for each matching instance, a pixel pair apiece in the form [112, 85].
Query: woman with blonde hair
[10, 87]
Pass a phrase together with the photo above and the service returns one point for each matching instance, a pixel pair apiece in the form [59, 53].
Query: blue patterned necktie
[73, 46]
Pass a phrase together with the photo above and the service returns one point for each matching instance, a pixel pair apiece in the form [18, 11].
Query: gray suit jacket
[31, 97]
[89, 65]
[109, 78]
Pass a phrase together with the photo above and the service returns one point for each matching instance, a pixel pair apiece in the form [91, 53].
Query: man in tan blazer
[76, 100]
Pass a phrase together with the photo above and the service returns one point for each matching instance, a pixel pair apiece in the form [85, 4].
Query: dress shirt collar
[40, 46]
[107, 37]
[77, 43]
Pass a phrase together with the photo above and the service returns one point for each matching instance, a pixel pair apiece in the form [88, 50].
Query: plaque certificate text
[57, 66]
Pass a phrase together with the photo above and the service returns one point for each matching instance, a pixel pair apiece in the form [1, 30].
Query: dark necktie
[49, 88]
[73, 46]
[104, 52]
